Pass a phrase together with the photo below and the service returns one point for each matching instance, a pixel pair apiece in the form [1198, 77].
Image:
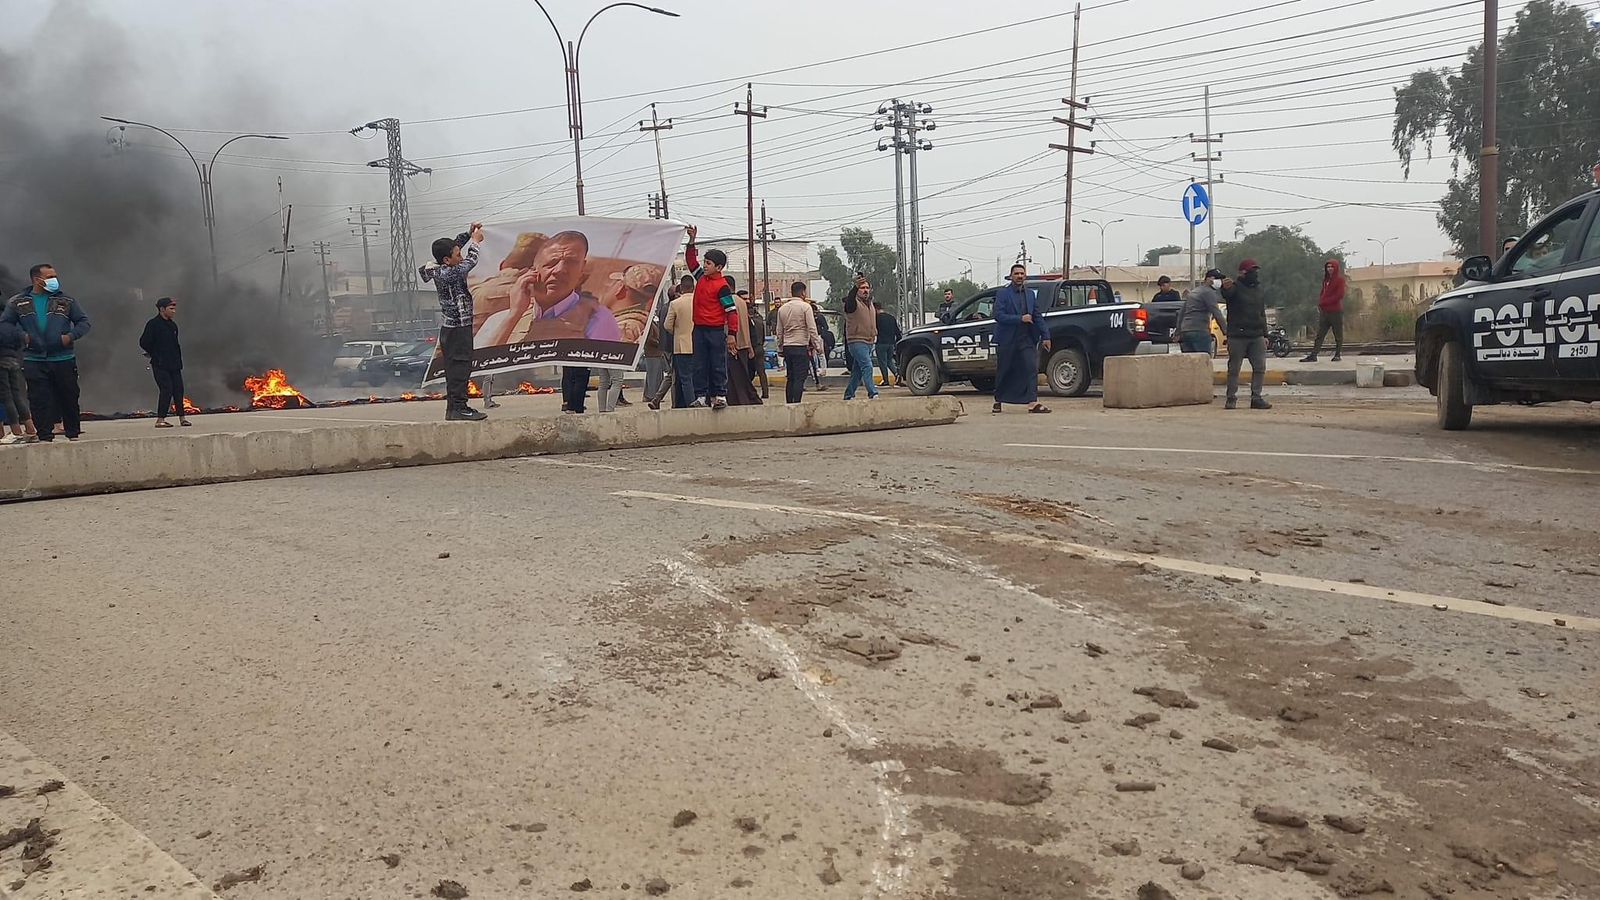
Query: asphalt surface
[891, 665]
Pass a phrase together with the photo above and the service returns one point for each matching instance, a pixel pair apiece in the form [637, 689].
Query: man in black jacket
[1247, 333]
[160, 345]
[888, 336]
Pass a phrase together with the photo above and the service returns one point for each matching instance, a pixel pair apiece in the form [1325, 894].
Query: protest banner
[567, 291]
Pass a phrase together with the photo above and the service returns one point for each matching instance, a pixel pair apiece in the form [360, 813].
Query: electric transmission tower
[401, 275]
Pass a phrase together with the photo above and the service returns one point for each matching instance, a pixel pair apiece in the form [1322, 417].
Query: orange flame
[409, 395]
[189, 408]
[473, 390]
[526, 387]
[273, 391]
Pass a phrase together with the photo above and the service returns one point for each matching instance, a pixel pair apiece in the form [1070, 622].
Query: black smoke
[124, 227]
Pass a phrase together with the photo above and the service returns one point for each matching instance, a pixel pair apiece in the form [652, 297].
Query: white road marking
[1345, 457]
[1187, 566]
[97, 854]
[655, 473]
[889, 870]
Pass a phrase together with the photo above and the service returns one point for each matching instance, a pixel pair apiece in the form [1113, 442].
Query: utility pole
[656, 127]
[892, 109]
[1489, 156]
[766, 273]
[1211, 156]
[321, 248]
[750, 116]
[1071, 146]
[906, 117]
[402, 277]
[287, 213]
[366, 254]
[658, 206]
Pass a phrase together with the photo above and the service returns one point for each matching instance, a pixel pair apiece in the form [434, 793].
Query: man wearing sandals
[1019, 332]
[160, 345]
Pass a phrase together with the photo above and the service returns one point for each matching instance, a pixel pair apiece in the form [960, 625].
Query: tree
[1549, 121]
[1291, 269]
[1153, 257]
[863, 254]
[964, 288]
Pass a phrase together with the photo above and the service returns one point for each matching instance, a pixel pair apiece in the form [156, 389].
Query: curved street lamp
[1102, 228]
[569, 54]
[1055, 252]
[208, 207]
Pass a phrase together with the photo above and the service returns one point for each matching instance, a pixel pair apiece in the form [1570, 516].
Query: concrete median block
[1169, 379]
[63, 469]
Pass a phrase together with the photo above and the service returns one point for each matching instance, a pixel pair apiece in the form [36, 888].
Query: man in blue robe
[1019, 332]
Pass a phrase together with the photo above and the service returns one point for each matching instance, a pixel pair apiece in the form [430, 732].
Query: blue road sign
[1196, 204]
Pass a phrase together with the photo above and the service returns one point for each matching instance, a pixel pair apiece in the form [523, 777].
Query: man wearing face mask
[53, 323]
[1201, 306]
[1247, 333]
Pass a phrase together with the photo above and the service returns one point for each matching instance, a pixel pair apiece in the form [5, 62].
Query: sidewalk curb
[61, 469]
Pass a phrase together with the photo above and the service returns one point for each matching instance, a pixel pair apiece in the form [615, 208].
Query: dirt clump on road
[1460, 764]
[960, 773]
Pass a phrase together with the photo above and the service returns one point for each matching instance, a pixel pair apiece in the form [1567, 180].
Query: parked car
[347, 362]
[406, 365]
[1525, 329]
[1086, 326]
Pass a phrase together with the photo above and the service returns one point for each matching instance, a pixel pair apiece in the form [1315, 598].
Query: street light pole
[1102, 238]
[570, 52]
[208, 208]
[1055, 252]
[1383, 250]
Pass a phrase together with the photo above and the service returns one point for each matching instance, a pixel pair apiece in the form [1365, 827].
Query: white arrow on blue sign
[1196, 203]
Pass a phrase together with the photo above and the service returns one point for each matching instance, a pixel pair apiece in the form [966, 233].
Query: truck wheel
[1068, 373]
[1455, 413]
[922, 376]
[983, 385]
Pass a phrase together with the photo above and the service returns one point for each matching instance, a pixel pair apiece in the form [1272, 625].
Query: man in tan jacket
[680, 324]
[797, 338]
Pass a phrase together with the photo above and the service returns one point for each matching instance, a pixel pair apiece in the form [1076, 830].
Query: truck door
[1511, 339]
[967, 347]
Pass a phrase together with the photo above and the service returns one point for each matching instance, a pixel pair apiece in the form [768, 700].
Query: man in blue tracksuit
[54, 323]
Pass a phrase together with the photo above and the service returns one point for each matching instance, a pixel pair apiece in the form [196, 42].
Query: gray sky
[1305, 109]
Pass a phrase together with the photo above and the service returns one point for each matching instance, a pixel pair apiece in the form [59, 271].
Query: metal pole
[211, 219]
[750, 182]
[902, 278]
[575, 119]
[751, 115]
[1489, 157]
[766, 271]
[661, 167]
[916, 228]
[1072, 140]
[1211, 189]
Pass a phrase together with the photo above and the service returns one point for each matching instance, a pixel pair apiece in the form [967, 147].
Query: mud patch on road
[1420, 738]
[804, 541]
[999, 857]
[960, 774]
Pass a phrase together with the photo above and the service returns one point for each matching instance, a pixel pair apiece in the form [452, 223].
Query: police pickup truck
[1523, 329]
[1086, 326]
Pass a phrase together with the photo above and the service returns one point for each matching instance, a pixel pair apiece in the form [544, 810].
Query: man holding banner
[564, 293]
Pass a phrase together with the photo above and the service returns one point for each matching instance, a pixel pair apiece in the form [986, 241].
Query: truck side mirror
[1477, 268]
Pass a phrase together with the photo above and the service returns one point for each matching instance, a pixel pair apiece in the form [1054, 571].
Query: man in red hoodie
[1330, 308]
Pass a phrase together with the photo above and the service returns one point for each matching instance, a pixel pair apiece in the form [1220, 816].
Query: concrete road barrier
[62, 469]
[1170, 379]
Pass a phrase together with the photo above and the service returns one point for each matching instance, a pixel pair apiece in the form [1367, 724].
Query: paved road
[893, 665]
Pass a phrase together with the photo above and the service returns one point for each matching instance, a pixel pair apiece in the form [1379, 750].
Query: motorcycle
[1278, 342]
